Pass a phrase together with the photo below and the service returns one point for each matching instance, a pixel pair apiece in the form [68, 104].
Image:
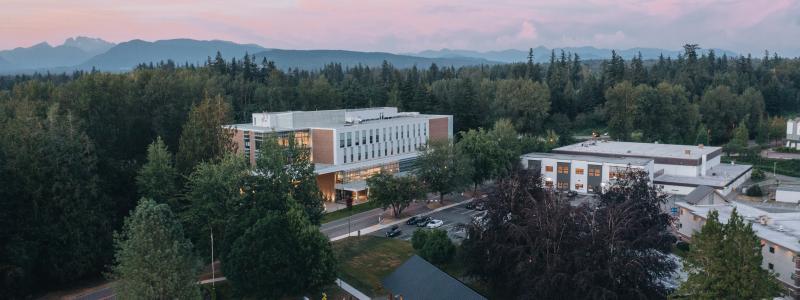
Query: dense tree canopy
[534, 244]
[92, 158]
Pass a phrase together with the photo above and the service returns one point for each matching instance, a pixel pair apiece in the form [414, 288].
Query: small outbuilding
[788, 194]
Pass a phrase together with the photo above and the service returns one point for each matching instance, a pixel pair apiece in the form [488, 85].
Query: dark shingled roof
[699, 193]
[417, 279]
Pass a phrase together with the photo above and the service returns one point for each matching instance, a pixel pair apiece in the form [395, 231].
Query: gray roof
[417, 279]
[699, 193]
[789, 188]
[638, 149]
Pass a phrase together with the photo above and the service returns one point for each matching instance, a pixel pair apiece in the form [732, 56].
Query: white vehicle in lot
[435, 223]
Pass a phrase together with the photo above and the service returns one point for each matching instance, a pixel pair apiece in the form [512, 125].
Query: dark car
[480, 206]
[572, 194]
[413, 220]
[394, 231]
[423, 221]
[470, 205]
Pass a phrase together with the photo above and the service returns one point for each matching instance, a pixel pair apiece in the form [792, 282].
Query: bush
[755, 191]
[787, 150]
[757, 175]
[433, 245]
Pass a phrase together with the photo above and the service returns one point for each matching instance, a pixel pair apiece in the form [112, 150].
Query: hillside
[315, 59]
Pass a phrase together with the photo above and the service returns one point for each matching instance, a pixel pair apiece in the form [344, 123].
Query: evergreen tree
[203, 137]
[157, 179]
[620, 102]
[153, 259]
[725, 262]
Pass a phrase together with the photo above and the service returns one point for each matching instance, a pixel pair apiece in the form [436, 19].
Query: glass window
[548, 168]
[357, 139]
[349, 139]
[563, 169]
[364, 137]
[370, 136]
[579, 171]
[341, 140]
[579, 186]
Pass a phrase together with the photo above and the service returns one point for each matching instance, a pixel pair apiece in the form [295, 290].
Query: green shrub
[757, 175]
[755, 191]
[433, 245]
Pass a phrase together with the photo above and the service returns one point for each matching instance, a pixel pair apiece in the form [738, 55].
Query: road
[454, 218]
[356, 222]
[104, 293]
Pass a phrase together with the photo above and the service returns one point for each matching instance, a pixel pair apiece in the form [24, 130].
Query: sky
[401, 26]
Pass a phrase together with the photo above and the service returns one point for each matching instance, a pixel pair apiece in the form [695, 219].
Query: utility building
[588, 166]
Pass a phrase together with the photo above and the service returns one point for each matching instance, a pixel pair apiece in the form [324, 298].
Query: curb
[377, 227]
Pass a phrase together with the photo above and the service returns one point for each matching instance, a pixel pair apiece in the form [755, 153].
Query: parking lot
[455, 219]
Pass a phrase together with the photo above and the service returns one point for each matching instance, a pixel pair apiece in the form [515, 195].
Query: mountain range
[84, 53]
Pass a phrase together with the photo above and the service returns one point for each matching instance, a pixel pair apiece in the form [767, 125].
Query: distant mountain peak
[89, 44]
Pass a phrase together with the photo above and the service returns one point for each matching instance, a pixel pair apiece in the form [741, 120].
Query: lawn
[344, 213]
[364, 261]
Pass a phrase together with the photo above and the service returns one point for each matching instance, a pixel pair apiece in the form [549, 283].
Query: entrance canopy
[356, 186]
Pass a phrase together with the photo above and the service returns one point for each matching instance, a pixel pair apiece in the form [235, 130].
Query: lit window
[563, 169]
[579, 186]
[579, 171]
[548, 168]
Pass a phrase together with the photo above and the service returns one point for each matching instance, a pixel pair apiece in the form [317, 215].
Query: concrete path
[350, 289]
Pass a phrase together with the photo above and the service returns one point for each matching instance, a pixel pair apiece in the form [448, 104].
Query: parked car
[413, 220]
[423, 221]
[480, 206]
[394, 231]
[470, 205]
[435, 223]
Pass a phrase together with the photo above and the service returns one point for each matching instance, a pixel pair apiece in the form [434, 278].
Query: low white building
[788, 194]
[793, 133]
[779, 234]
[679, 169]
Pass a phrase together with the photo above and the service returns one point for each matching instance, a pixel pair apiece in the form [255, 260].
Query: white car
[435, 223]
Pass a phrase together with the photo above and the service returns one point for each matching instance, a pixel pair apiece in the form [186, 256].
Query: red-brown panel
[322, 146]
[327, 185]
[438, 129]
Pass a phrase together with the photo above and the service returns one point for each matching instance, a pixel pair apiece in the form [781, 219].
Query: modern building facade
[779, 234]
[347, 145]
[793, 133]
[587, 166]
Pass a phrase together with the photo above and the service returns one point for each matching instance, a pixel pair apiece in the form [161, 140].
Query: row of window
[364, 136]
[595, 172]
[563, 185]
[359, 153]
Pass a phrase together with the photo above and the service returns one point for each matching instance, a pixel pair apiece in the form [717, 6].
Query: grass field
[364, 261]
[344, 213]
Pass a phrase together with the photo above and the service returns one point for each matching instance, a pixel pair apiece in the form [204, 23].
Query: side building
[793, 133]
[779, 234]
[347, 145]
[587, 166]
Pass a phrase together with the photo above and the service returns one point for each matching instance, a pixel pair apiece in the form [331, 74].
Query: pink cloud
[395, 25]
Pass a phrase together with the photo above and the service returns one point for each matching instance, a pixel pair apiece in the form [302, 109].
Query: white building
[793, 133]
[678, 168]
[347, 145]
[779, 234]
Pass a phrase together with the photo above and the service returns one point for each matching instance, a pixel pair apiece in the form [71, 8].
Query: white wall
[689, 222]
[678, 170]
[575, 178]
[782, 261]
[677, 189]
[416, 137]
[787, 196]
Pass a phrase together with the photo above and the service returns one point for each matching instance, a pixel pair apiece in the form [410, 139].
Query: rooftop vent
[687, 152]
[700, 146]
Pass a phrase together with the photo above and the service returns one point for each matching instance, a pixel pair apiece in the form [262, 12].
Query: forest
[71, 145]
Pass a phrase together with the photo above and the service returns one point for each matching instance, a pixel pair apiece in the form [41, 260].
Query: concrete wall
[787, 196]
[678, 170]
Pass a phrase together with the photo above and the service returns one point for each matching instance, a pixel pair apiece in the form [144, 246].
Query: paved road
[357, 222]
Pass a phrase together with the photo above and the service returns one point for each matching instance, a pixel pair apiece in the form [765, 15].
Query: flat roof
[639, 149]
[718, 176]
[388, 120]
[789, 188]
[635, 161]
[784, 229]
